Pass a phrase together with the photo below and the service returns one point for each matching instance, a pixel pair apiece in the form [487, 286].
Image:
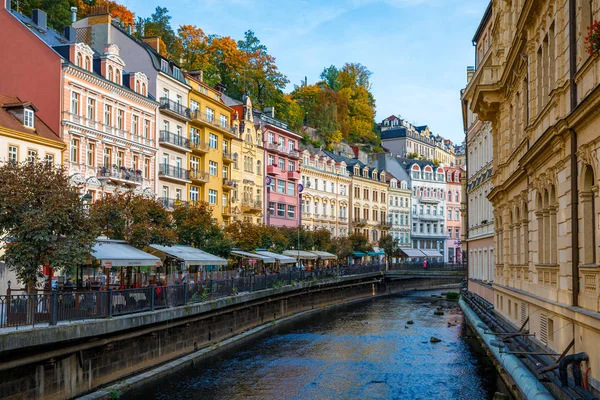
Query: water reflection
[361, 351]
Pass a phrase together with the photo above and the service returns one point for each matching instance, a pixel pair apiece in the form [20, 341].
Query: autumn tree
[341, 247]
[389, 246]
[196, 227]
[138, 219]
[245, 235]
[159, 24]
[360, 243]
[44, 220]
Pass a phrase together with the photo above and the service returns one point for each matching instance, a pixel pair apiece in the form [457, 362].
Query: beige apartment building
[539, 89]
[326, 198]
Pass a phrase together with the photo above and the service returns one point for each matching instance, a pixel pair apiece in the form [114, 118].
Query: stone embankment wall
[69, 360]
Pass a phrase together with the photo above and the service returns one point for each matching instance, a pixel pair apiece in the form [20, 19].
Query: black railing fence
[53, 307]
[430, 266]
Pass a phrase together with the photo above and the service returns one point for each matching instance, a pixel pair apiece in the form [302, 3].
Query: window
[120, 157]
[291, 145]
[74, 150]
[280, 186]
[120, 119]
[291, 189]
[164, 65]
[107, 115]
[107, 157]
[28, 118]
[193, 193]
[258, 167]
[147, 168]
[90, 158]
[210, 114]
[134, 124]
[291, 211]
[223, 120]
[135, 162]
[13, 154]
[212, 168]
[176, 72]
[165, 192]
[178, 194]
[281, 143]
[147, 129]
[49, 158]
[457, 214]
[31, 156]
[272, 209]
[281, 163]
[212, 196]
[366, 194]
[74, 103]
[166, 93]
[291, 166]
[271, 160]
[281, 210]
[212, 141]
[449, 214]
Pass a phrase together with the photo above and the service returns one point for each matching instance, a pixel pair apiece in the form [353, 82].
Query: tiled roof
[350, 162]
[229, 101]
[7, 120]
[393, 133]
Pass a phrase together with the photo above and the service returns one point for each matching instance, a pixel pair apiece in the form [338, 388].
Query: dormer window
[87, 63]
[29, 118]
[176, 72]
[164, 66]
[79, 60]
[110, 73]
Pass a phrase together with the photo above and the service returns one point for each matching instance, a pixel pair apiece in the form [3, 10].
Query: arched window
[110, 73]
[79, 60]
[588, 200]
[118, 76]
[87, 64]
[258, 167]
[144, 89]
[539, 214]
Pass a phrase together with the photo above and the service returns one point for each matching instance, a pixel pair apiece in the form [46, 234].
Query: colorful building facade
[453, 247]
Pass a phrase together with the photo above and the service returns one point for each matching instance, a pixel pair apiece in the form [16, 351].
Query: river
[363, 350]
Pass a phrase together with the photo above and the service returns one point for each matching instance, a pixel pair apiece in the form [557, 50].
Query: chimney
[73, 14]
[270, 111]
[197, 74]
[39, 18]
[221, 88]
[470, 73]
[154, 42]
[70, 34]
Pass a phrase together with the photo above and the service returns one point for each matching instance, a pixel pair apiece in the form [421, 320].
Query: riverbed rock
[438, 312]
[410, 322]
[433, 339]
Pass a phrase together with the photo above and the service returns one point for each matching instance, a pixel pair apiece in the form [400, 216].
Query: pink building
[453, 220]
[282, 169]
[107, 118]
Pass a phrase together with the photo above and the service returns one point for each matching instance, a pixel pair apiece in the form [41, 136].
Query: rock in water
[433, 339]
[410, 322]
[438, 312]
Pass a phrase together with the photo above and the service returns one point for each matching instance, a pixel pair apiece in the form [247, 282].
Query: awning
[281, 258]
[323, 255]
[376, 253]
[431, 253]
[412, 253]
[190, 255]
[303, 255]
[119, 254]
[245, 254]
[359, 254]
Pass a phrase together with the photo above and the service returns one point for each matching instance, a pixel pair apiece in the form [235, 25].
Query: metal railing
[199, 175]
[50, 308]
[125, 174]
[177, 108]
[170, 203]
[429, 267]
[175, 139]
[173, 171]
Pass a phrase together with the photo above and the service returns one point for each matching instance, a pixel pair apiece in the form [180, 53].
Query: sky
[417, 50]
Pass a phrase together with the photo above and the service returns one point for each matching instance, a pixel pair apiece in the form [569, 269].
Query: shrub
[452, 296]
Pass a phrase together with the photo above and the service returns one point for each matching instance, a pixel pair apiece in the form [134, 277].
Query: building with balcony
[399, 197]
[326, 196]
[368, 211]
[24, 136]
[429, 195]
[248, 168]
[165, 82]
[282, 161]
[453, 250]
[211, 136]
[108, 118]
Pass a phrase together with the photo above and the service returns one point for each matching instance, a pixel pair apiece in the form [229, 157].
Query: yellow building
[211, 159]
[539, 89]
[248, 167]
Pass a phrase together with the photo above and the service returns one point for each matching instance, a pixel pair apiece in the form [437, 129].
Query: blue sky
[418, 50]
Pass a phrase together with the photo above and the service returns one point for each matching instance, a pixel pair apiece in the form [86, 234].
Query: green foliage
[159, 24]
[342, 247]
[452, 296]
[360, 242]
[137, 219]
[390, 246]
[44, 219]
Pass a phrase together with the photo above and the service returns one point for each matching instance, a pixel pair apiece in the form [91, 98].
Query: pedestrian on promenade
[425, 264]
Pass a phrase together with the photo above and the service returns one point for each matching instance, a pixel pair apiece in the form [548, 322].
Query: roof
[350, 163]
[281, 258]
[431, 253]
[245, 254]
[190, 255]
[393, 167]
[302, 255]
[323, 255]
[407, 162]
[48, 35]
[230, 101]
[412, 253]
[120, 254]
[393, 133]
[486, 17]
[359, 254]
[7, 120]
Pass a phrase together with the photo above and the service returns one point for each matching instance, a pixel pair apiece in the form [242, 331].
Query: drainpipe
[573, 155]
[467, 197]
[575, 360]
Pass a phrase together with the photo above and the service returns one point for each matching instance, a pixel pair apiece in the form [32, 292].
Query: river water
[363, 350]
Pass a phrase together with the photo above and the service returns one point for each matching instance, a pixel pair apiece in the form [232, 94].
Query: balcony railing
[199, 145]
[198, 175]
[120, 174]
[225, 126]
[252, 204]
[174, 139]
[173, 171]
[171, 203]
[228, 183]
[98, 126]
[174, 107]
[283, 150]
[226, 211]
[273, 170]
[227, 156]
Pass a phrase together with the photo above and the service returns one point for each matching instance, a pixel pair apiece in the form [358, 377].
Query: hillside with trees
[339, 106]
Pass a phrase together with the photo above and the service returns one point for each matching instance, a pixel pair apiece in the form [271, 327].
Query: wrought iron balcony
[170, 138]
[212, 121]
[199, 146]
[228, 157]
[228, 184]
[174, 107]
[198, 175]
[120, 174]
[171, 203]
[172, 171]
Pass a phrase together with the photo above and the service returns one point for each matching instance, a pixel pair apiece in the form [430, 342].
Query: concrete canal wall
[72, 359]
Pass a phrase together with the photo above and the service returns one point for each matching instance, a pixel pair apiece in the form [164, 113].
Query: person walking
[425, 264]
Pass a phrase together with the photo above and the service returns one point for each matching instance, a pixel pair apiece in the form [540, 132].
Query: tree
[159, 24]
[44, 219]
[245, 235]
[137, 219]
[341, 247]
[389, 246]
[360, 243]
[196, 227]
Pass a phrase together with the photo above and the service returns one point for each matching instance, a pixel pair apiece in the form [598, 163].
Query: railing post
[185, 292]
[290, 275]
[54, 308]
[110, 301]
